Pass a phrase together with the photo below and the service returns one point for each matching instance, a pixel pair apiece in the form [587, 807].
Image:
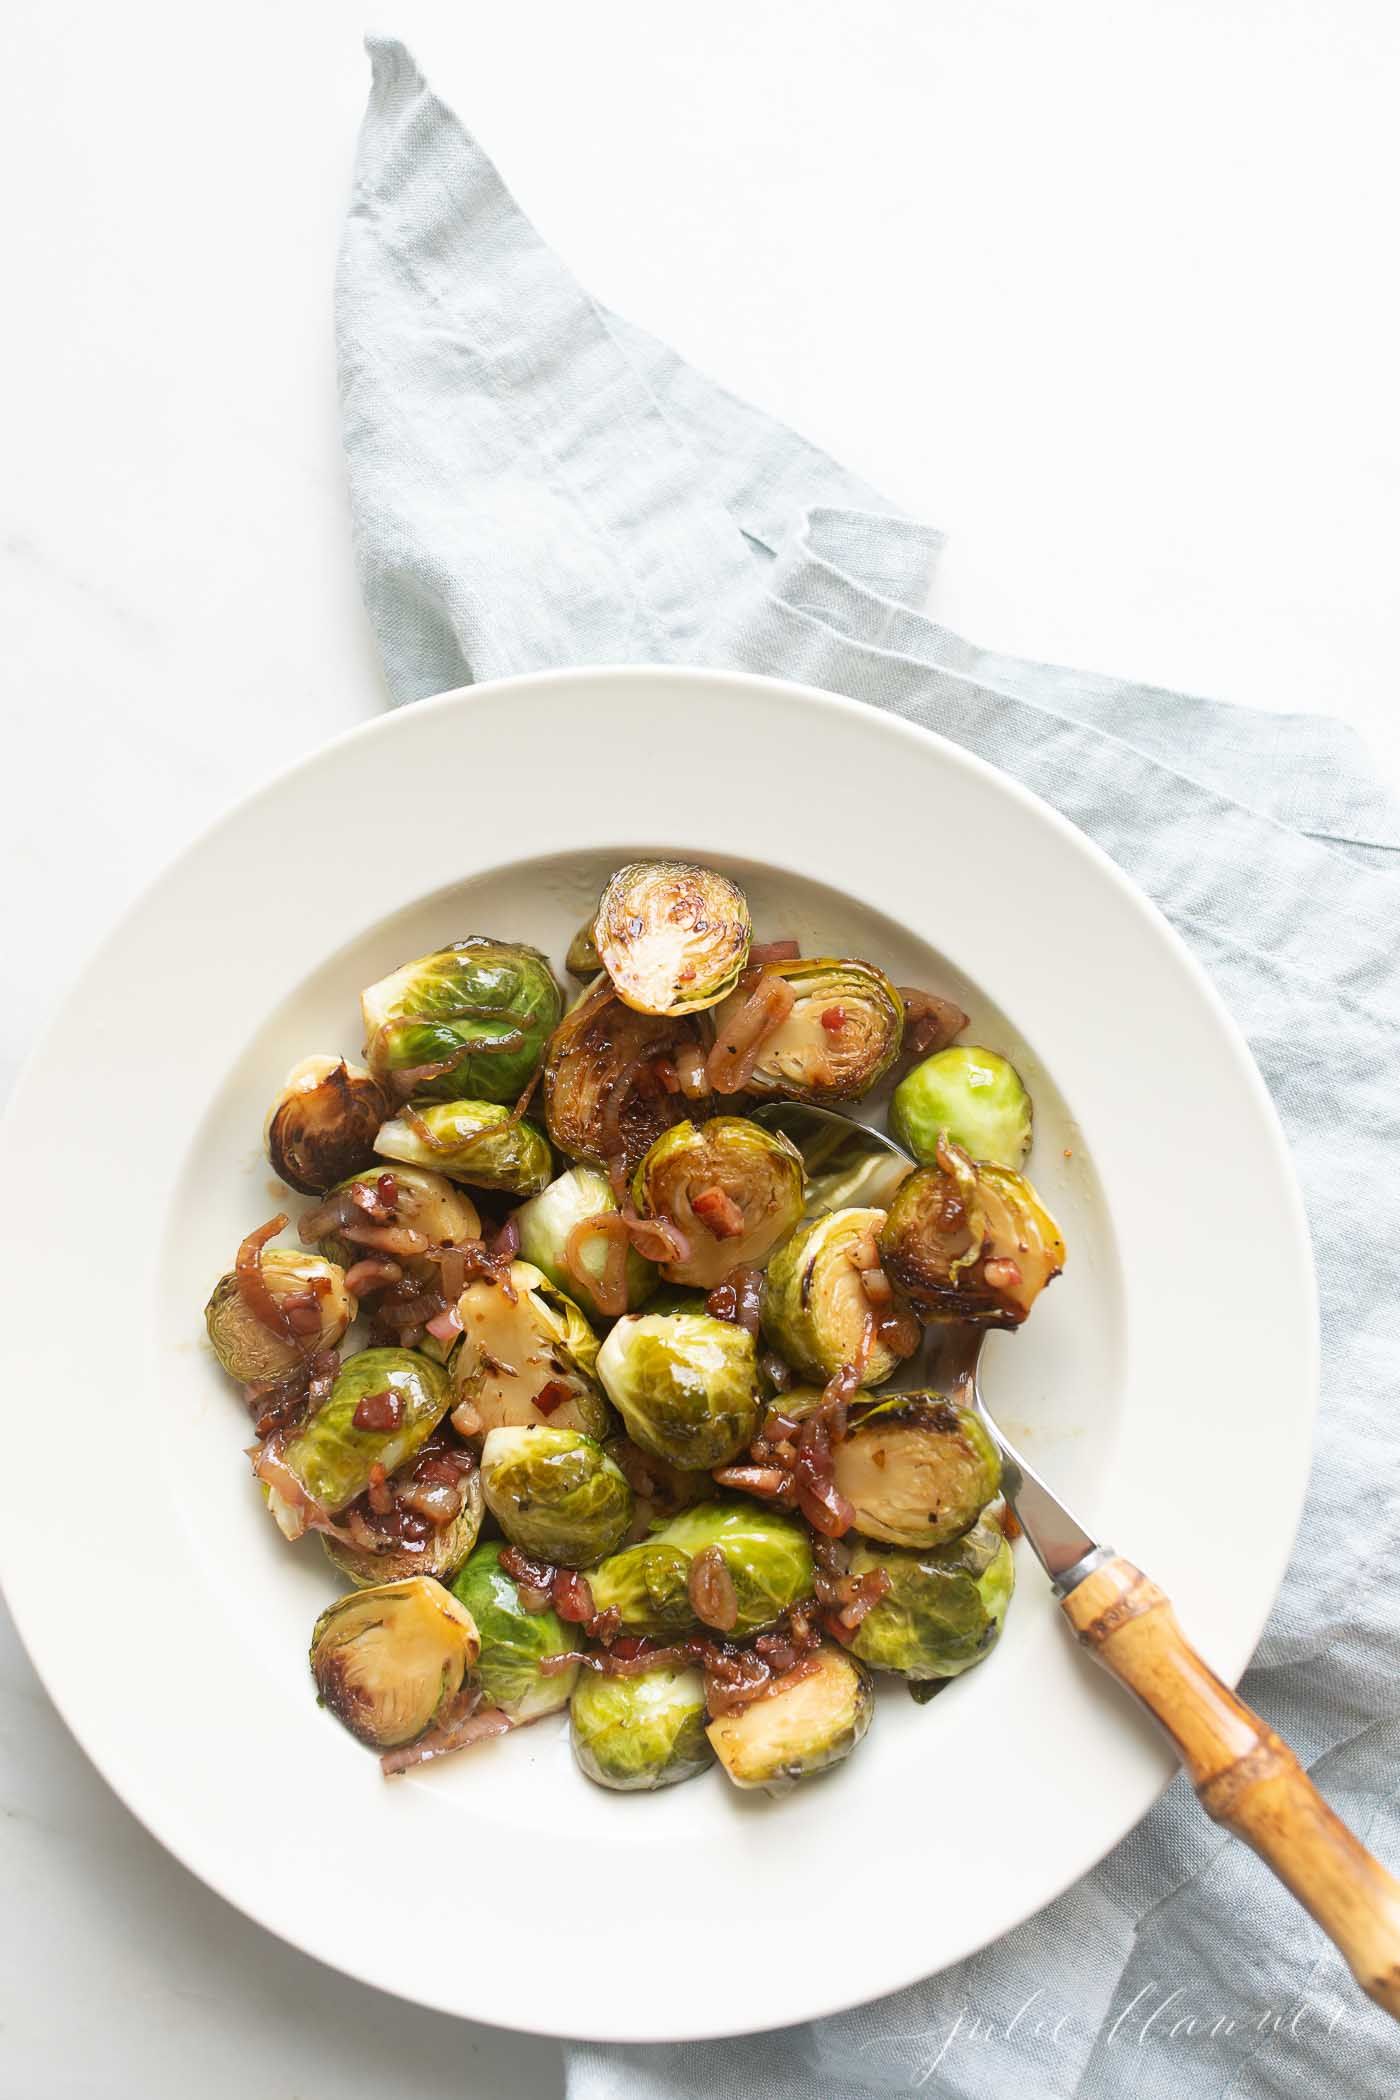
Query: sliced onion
[737, 1048]
[447, 1738]
[253, 1287]
[609, 1289]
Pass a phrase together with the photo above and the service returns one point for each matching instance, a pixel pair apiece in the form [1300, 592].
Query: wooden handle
[1244, 1775]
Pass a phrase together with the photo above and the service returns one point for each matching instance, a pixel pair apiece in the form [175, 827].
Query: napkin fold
[536, 482]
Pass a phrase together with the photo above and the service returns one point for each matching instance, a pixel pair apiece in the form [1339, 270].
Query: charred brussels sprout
[642, 1732]
[387, 1661]
[257, 1354]
[468, 1021]
[685, 1385]
[555, 1494]
[944, 1608]
[514, 1642]
[555, 1236]
[842, 1033]
[673, 938]
[809, 1720]
[322, 1125]
[916, 1470]
[526, 1357]
[602, 1100]
[421, 1203]
[972, 1096]
[817, 1310]
[471, 1141]
[383, 1407]
[732, 1189]
[970, 1242]
[389, 1558]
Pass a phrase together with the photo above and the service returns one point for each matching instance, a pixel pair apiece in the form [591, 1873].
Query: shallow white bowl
[1166, 1384]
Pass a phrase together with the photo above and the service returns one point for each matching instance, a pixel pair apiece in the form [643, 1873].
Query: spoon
[1245, 1776]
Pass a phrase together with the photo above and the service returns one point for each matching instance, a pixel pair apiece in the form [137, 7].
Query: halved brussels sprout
[392, 1559]
[602, 1099]
[526, 1357]
[514, 1641]
[809, 1720]
[471, 1141]
[972, 1096]
[548, 1222]
[583, 960]
[732, 1188]
[842, 1034]
[970, 1242]
[383, 1407]
[255, 1354]
[916, 1469]
[423, 1202]
[637, 1733]
[685, 1385]
[387, 1661]
[944, 1608]
[555, 1494]
[817, 1312]
[672, 937]
[470, 1020]
[322, 1125]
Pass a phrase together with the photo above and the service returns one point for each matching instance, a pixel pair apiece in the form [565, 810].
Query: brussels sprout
[257, 1355]
[970, 1242]
[673, 938]
[333, 1453]
[546, 1224]
[385, 1558]
[974, 1097]
[685, 1385]
[514, 1641]
[848, 1167]
[944, 1608]
[526, 1357]
[555, 1494]
[387, 1661]
[472, 1141]
[816, 1311]
[809, 1720]
[583, 960]
[916, 1469]
[321, 1126]
[594, 1107]
[767, 1555]
[842, 1034]
[423, 1202]
[637, 1733]
[469, 1021]
[646, 1584]
[732, 1188]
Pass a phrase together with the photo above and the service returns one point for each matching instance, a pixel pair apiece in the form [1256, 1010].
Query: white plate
[1166, 1383]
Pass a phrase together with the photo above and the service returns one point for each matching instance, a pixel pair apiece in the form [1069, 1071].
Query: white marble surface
[1107, 292]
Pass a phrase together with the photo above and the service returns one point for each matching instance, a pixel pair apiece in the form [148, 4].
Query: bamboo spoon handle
[1244, 1775]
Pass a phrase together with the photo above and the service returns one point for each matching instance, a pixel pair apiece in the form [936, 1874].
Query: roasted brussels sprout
[471, 1141]
[944, 1608]
[673, 938]
[972, 1096]
[646, 1584]
[310, 1292]
[685, 1385]
[602, 1099]
[383, 1407]
[732, 1189]
[809, 1720]
[384, 1556]
[637, 1733]
[916, 1469]
[841, 1035]
[822, 1306]
[387, 1661]
[555, 1494]
[322, 1125]
[555, 1236]
[514, 1642]
[758, 1564]
[970, 1242]
[526, 1357]
[470, 1021]
[415, 1202]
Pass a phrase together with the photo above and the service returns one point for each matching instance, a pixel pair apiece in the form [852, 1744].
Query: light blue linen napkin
[536, 483]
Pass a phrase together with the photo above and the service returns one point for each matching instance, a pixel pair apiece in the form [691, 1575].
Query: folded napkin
[534, 482]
